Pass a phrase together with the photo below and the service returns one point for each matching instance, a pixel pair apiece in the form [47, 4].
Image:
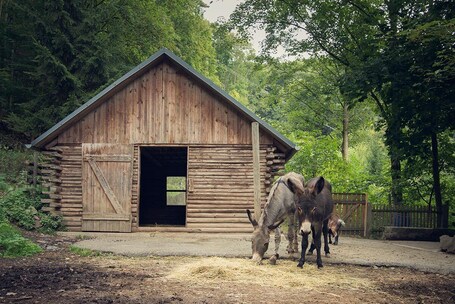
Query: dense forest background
[366, 89]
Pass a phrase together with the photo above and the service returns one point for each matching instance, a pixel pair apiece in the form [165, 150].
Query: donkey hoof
[320, 266]
[327, 255]
[272, 260]
[300, 265]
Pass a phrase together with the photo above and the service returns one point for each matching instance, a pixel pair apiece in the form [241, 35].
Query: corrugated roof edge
[52, 132]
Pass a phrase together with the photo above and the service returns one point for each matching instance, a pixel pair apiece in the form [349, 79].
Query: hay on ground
[286, 274]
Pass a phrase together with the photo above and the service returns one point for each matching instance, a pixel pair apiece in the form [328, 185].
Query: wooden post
[368, 221]
[35, 172]
[256, 170]
[35, 168]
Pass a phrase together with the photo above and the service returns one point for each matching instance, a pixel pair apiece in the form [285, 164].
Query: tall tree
[344, 30]
[366, 37]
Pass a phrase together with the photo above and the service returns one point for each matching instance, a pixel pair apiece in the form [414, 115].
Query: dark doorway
[163, 186]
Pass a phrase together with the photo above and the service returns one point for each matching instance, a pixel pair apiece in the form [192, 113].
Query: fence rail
[403, 216]
[364, 219]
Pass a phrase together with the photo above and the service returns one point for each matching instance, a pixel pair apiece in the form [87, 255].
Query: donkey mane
[271, 210]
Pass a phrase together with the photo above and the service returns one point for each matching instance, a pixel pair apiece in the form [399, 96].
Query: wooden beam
[256, 169]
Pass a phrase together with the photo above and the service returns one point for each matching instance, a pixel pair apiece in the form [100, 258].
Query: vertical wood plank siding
[163, 106]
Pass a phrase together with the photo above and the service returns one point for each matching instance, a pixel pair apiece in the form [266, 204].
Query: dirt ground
[423, 256]
[59, 276]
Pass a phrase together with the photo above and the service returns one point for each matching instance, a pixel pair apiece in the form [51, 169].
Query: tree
[427, 52]
[346, 31]
[56, 54]
[372, 40]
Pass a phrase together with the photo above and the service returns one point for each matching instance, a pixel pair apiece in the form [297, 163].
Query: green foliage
[13, 164]
[397, 53]
[54, 55]
[321, 156]
[20, 207]
[13, 244]
[50, 223]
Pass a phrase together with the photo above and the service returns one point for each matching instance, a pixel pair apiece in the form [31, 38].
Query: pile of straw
[285, 274]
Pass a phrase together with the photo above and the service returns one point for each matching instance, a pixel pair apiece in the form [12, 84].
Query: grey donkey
[281, 204]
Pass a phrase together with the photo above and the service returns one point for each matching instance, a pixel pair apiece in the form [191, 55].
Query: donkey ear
[319, 185]
[295, 186]
[252, 220]
[274, 226]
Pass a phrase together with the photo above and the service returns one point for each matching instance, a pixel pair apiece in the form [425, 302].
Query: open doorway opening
[163, 186]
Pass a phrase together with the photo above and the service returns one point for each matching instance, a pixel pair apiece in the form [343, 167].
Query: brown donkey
[335, 223]
[314, 208]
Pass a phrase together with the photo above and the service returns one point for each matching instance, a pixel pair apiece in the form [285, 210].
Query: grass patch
[83, 237]
[85, 252]
[13, 244]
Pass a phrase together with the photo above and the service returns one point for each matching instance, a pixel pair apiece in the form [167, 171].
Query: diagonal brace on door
[105, 186]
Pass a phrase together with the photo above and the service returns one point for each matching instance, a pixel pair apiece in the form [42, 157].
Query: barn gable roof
[156, 58]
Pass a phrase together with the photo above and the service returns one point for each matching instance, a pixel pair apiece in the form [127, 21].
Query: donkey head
[260, 238]
[306, 204]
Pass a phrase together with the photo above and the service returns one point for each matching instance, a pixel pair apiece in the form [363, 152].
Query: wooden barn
[160, 149]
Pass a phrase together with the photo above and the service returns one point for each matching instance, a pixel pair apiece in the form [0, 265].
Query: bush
[20, 207]
[13, 244]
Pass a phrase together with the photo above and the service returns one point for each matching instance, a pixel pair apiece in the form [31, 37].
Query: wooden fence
[364, 219]
[404, 216]
[353, 209]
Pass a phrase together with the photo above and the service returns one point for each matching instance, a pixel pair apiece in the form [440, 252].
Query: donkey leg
[317, 241]
[312, 246]
[330, 237]
[291, 235]
[304, 247]
[325, 230]
[273, 258]
[337, 236]
[295, 244]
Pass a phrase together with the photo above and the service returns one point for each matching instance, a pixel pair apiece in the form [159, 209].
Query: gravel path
[423, 256]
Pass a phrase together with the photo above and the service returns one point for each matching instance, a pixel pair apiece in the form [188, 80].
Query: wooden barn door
[106, 187]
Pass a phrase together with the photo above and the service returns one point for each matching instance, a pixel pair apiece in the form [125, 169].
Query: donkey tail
[341, 223]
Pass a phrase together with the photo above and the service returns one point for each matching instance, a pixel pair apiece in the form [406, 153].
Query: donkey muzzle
[305, 227]
[257, 258]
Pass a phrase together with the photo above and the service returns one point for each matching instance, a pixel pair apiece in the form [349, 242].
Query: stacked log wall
[71, 191]
[221, 188]
[62, 182]
[135, 190]
[50, 172]
[275, 162]
[220, 185]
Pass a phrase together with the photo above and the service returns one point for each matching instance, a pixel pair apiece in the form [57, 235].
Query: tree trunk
[395, 169]
[345, 142]
[393, 135]
[436, 179]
